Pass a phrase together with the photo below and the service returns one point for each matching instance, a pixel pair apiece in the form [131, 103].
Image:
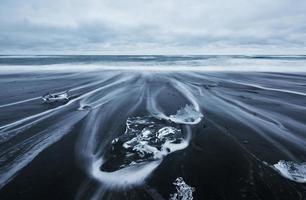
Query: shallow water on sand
[131, 134]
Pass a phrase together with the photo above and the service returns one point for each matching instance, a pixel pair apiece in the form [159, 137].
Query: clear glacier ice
[56, 97]
[183, 191]
[291, 170]
[145, 139]
[187, 115]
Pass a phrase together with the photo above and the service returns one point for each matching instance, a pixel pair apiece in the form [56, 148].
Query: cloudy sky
[152, 26]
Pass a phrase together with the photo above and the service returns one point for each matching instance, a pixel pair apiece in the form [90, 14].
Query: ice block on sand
[56, 97]
[290, 170]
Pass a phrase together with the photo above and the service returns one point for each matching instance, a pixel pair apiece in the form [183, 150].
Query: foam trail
[28, 149]
[93, 150]
[126, 177]
[167, 109]
[88, 144]
[262, 87]
[273, 89]
[72, 90]
[260, 126]
[43, 115]
[19, 102]
[188, 114]
[267, 118]
[18, 156]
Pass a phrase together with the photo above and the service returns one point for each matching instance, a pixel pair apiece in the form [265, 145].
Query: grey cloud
[142, 26]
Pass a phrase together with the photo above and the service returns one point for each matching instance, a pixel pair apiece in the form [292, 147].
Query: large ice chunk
[293, 171]
[145, 139]
[187, 115]
[183, 191]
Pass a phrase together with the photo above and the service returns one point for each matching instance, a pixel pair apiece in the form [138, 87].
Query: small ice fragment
[56, 97]
[183, 191]
[187, 115]
[115, 140]
[293, 171]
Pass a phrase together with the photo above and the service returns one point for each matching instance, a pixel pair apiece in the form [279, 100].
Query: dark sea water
[152, 127]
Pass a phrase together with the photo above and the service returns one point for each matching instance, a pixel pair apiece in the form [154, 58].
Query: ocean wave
[154, 63]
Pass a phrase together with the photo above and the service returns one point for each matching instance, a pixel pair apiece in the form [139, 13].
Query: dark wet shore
[251, 122]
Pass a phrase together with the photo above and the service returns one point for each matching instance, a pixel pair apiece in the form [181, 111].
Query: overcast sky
[153, 26]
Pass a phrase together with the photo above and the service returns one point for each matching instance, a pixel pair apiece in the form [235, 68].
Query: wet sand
[251, 121]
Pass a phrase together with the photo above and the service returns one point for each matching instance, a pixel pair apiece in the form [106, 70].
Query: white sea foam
[14, 158]
[290, 170]
[112, 102]
[148, 63]
[129, 176]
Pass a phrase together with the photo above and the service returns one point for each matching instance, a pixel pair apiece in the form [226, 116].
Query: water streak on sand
[149, 116]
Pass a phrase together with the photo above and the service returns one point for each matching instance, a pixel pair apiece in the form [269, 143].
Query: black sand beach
[227, 131]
